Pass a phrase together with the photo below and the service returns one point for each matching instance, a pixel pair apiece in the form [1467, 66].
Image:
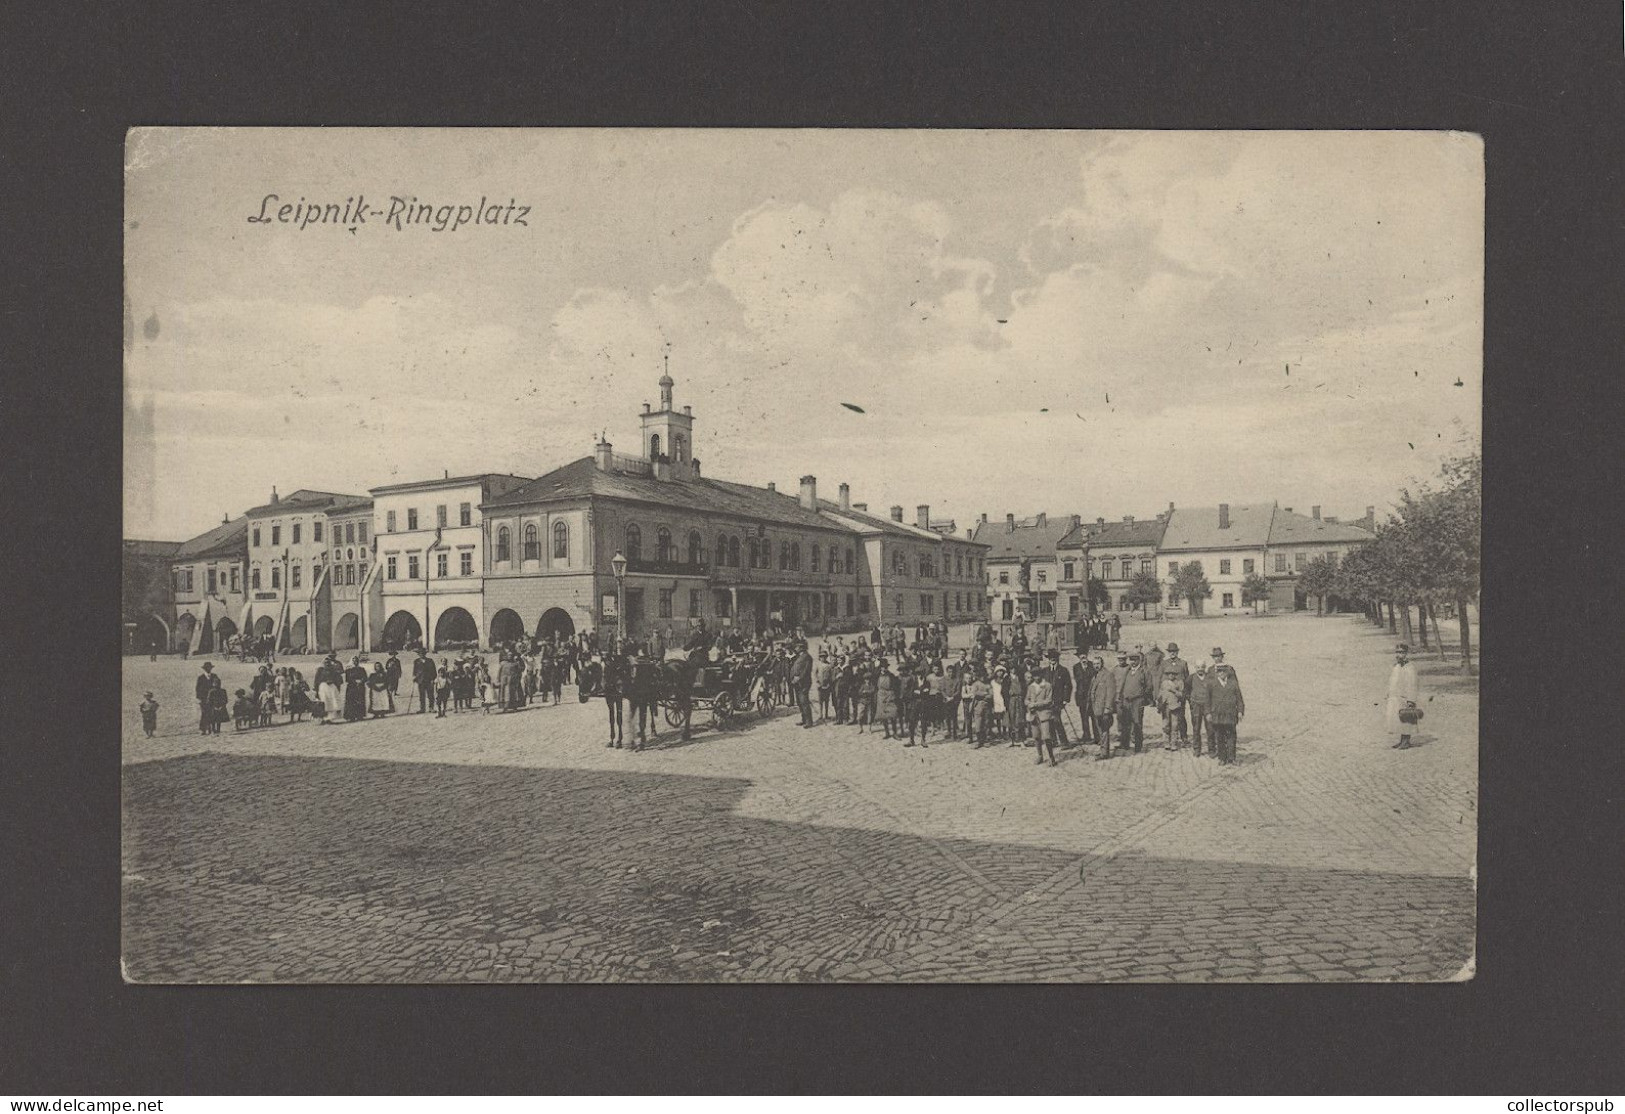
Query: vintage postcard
[800, 556]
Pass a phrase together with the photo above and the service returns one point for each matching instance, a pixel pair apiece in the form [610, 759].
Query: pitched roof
[491, 479]
[583, 478]
[1030, 537]
[1111, 535]
[1290, 528]
[1198, 528]
[142, 548]
[307, 500]
[226, 539]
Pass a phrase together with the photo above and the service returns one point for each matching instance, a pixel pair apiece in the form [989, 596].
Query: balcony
[670, 566]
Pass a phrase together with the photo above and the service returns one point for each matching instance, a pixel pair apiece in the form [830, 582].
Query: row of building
[493, 557]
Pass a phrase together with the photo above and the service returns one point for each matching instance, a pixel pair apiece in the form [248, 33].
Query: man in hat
[205, 682]
[824, 678]
[149, 714]
[423, 677]
[1199, 714]
[1060, 681]
[1404, 689]
[1116, 627]
[1153, 669]
[1103, 705]
[1132, 699]
[1083, 680]
[800, 677]
[1041, 713]
[392, 677]
[1174, 686]
[1225, 706]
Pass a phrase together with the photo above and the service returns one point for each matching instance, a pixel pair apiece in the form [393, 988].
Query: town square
[1060, 576]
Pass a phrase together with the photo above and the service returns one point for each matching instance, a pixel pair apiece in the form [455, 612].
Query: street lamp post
[617, 565]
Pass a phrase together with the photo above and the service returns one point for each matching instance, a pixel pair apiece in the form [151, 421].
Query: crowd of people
[996, 691]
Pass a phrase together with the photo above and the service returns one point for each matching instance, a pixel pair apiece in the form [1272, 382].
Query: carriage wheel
[764, 702]
[722, 709]
[674, 714]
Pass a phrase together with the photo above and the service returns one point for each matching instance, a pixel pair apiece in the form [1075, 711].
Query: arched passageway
[347, 632]
[402, 630]
[455, 625]
[507, 626]
[555, 621]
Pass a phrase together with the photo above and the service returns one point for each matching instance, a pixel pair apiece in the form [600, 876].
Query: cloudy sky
[1098, 323]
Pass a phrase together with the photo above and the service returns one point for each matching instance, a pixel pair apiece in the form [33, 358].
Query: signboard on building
[607, 606]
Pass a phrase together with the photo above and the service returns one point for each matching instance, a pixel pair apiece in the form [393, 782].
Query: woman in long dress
[378, 691]
[355, 691]
[331, 689]
[1404, 687]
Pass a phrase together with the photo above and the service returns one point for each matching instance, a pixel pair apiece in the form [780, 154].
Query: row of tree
[1426, 557]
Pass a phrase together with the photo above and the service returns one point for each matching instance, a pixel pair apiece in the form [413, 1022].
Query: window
[665, 603]
[1299, 560]
[441, 561]
[733, 552]
[296, 533]
[256, 537]
[863, 605]
[411, 518]
[753, 554]
[693, 603]
[316, 530]
[350, 574]
[634, 543]
[654, 446]
[696, 550]
[1229, 600]
[235, 585]
[1247, 566]
[959, 564]
[924, 563]
[925, 603]
[361, 532]
[276, 535]
[465, 514]
[722, 549]
[1280, 562]
[1004, 576]
[1046, 606]
[724, 605]
[1145, 565]
[389, 522]
[899, 563]
[815, 558]
[411, 566]
[1105, 570]
[504, 546]
[465, 563]
[349, 533]
[1224, 566]
[254, 578]
[678, 446]
[293, 582]
[1009, 609]
[849, 603]
[663, 549]
[440, 516]
[561, 541]
[795, 555]
[389, 568]
[211, 582]
[1069, 570]
[276, 576]
[897, 606]
[533, 545]
[850, 562]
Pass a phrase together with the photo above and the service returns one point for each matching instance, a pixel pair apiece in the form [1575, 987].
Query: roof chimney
[1009, 522]
[1170, 507]
[1077, 520]
[1314, 512]
[645, 407]
[862, 508]
[809, 493]
[846, 496]
[1288, 510]
[1100, 522]
[771, 486]
[896, 513]
[1371, 513]
[696, 463]
[1043, 518]
[984, 517]
[274, 497]
[1129, 519]
[224, 518]
[605, 455]
[922, 516]
[1224, 516]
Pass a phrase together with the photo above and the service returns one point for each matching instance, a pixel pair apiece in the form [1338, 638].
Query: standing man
[392, 677]
[1174, 685]
[1404, 696]
[423, 677]
[1199, 712]
[824, 677]
[1132, 700]
[205, 682]
[1061, 682]
[1041, 710]
[952, 690]
[1225, 706]
[800, 678]
[1153, 670]
[1083, 682]
[1102, 705]
[1116, 630]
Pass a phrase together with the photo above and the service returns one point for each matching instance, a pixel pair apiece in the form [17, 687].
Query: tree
[1191, 582]
[1316, 580]
[1254, 589]
[1443, 531]
[1143, 590]
[1099, 598]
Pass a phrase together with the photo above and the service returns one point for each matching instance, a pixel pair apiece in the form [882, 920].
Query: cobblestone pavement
[517, 848]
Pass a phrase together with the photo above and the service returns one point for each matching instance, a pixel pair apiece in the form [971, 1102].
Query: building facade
[431, 560]
[1229, 540]
[1023, 569]
[210, 578]
[290, 549]
[148, 596]
[1118, 552]
[1296, 539]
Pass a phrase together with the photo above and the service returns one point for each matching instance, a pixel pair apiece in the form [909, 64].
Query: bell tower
[668, 436]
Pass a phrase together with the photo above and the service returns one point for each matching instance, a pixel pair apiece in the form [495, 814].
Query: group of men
[1197, 706]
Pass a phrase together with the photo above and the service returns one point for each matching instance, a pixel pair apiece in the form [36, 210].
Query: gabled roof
[1290, 528]
[1198, 528]
[583, 478]
[229, 539]
[1038, 536]
[305, 500]
[493, 482]
[140, 548]
[1113, 535]
[350, 504]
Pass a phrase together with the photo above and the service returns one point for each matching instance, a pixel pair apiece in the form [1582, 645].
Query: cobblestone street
[518, 848]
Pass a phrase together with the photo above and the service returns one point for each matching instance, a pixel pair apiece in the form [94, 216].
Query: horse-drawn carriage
[727, 689]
